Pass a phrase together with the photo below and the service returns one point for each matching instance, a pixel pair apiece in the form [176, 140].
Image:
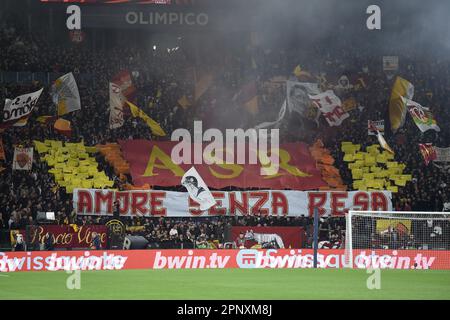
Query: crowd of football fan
[163, 77]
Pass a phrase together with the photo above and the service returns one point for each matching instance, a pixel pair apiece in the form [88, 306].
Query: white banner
[20, 108]
[379, 124]
[23, 158]
[331, 107]
[422, 117]
[65, 94]
[390, 63]
[116, 102]
[154, 203]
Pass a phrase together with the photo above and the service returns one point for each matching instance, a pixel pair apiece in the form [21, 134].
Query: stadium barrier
[218, 259]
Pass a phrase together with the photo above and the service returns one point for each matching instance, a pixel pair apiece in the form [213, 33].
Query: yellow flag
[302, 74]
[397, 107]
[153, 125]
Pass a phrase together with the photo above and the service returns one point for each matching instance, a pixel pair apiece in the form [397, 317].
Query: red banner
[292, 237]
[66, 236]
[219, 259]
[150, 162]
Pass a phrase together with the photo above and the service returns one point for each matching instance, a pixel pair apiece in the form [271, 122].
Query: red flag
[428, 152]
[2, 150]
[123, 80]
[150, 162]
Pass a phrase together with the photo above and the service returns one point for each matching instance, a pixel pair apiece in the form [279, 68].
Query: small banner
[331, 107]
